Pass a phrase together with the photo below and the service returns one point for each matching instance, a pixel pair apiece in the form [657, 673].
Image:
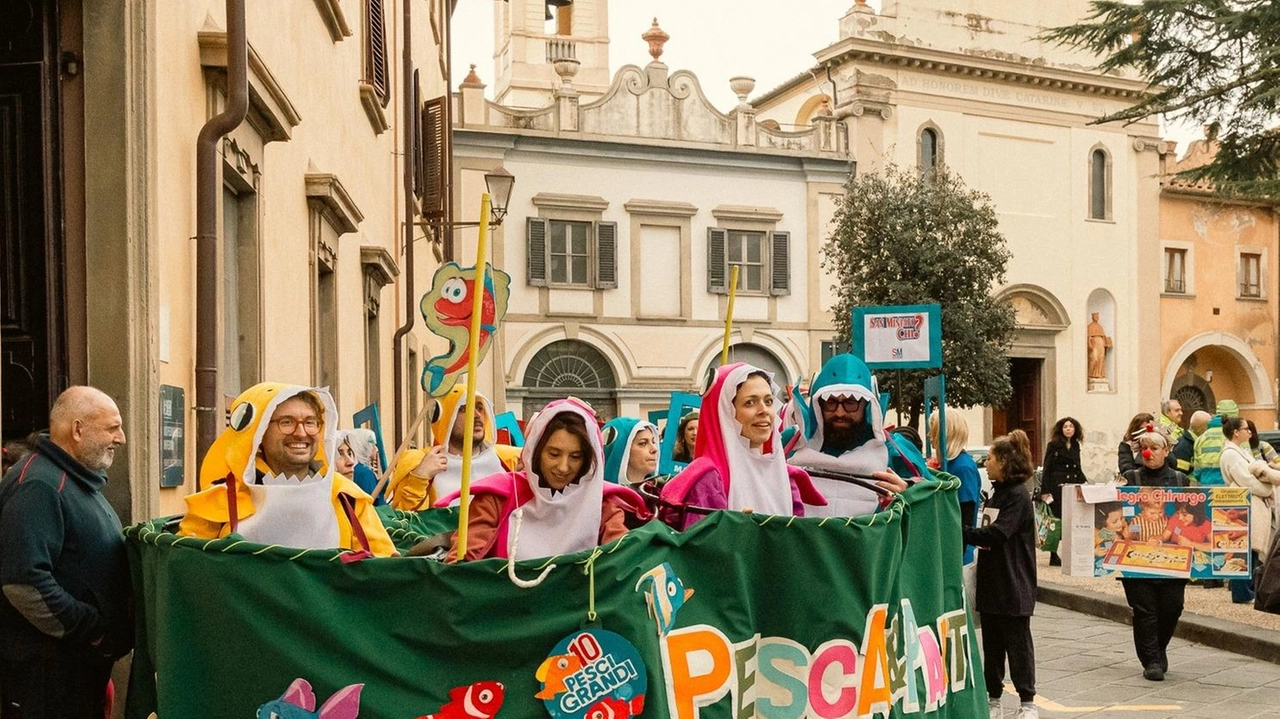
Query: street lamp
[499, 183]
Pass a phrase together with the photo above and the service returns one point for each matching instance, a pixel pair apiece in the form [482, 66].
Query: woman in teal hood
[630, 451]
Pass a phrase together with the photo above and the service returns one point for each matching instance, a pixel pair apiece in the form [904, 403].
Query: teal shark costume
[618, 435]
[873, 450]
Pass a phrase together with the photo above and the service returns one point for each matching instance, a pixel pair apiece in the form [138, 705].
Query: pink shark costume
[586, 514]
[726, 473]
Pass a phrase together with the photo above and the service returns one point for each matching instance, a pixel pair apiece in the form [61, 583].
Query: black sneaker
[1153, 673]
[1054, 560]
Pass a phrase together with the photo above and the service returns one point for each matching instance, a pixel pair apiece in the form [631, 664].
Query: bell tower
[531, 36]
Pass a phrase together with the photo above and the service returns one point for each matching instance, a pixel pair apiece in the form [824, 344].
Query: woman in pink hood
[739, 461]
[562, 501]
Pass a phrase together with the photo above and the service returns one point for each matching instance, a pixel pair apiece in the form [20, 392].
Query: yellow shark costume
[269, 510]
[411, 492]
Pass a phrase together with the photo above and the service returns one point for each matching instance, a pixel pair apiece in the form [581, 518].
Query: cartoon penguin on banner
[447, 311]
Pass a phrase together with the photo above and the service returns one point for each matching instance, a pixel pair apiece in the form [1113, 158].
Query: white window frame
[1261, 253]
[1188, 269]
[587, 282]
[1108, 194]
[765, 276]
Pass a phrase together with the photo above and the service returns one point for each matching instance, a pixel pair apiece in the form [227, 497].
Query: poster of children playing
[1197, 532]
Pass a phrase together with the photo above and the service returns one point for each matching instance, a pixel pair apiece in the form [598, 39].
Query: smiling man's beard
[841, 438]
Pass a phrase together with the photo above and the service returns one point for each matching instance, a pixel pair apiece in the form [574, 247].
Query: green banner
[742, 616]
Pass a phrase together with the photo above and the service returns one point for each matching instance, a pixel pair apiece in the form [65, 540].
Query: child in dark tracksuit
[1006, 581]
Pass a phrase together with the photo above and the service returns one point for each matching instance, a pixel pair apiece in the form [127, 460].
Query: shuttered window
[572, 253]
[606, 255]
[763, 260]
[434, 144]
[375, 65]
[536, 252]
[569, 257]
[780, 260]
[717, 265]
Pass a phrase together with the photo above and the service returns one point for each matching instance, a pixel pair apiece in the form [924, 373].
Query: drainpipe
[397, 343]
[207, 424]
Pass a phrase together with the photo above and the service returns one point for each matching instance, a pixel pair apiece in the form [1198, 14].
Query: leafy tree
[1212, 62]
[905, 238]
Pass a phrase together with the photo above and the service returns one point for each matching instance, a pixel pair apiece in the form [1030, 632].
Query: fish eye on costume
[436, 411]
[610, 434]
[241, 416]
[454, 290]
[708, 380]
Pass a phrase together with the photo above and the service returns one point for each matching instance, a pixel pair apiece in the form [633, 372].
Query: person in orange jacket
[272, 469]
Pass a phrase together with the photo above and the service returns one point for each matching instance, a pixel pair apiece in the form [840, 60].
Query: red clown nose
[1146, 454]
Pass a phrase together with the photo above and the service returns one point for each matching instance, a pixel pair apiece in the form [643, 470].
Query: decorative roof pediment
[647, 102]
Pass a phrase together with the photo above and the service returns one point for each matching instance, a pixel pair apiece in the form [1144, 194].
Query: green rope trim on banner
[590, 571]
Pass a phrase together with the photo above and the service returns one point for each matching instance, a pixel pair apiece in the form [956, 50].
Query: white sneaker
[1027, 711]
[997, 711]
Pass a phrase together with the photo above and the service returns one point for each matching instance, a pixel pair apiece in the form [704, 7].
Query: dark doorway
[33, 332]
[1023, 410]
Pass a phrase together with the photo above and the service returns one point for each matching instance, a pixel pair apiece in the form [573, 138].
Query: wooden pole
[728, 315]
[473, 352]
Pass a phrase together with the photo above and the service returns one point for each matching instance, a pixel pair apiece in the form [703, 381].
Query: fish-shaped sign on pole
[447, 308]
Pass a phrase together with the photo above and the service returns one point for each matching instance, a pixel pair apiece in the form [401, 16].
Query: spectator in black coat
[1006, 596]
[1061, 466]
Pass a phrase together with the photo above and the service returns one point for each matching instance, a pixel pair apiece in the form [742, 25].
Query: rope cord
[518, 517]
[590, 571]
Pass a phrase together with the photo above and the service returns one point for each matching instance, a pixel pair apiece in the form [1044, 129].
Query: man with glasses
[269, 477]
[842, 431]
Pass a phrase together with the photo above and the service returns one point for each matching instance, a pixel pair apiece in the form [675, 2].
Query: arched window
[570, 367]
[754, 354]
[1099, 184]
[929, 148]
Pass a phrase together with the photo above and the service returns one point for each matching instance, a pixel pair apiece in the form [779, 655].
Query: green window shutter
[717, 262]
[780, 259]
[606, 255]
[536, 263]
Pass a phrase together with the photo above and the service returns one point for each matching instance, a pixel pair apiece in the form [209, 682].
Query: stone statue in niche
[1098, 342]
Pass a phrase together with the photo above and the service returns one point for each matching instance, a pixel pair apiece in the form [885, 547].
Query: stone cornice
[664, 208]
[976, 66]
[327, 193]
[266, 97]
[378, 261]
[746, 212]
[560, 201]
[335, 20]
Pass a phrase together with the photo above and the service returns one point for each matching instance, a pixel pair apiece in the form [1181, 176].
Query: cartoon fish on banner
[552, 673]
[611, 708]
[664, 595]
[481, 700]
[447, 310]
[299, 702]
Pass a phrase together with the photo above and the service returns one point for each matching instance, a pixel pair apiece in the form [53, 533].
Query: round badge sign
[593, 674]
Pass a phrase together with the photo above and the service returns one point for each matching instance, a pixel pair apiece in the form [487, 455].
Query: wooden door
[1023, 410]
[32, 330]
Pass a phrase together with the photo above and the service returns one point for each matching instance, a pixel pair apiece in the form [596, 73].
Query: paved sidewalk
[1209, 617]
[1085, 667]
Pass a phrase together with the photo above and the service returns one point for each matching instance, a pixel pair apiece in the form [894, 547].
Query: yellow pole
[728, 316]
[473, 351]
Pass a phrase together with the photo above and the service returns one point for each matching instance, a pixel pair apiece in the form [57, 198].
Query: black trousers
[1156, 604]
[1009, 637]
[63, 687]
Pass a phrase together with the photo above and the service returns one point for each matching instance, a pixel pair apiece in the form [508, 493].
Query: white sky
[715, 39]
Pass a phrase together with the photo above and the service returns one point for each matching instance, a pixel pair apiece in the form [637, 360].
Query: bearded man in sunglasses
[270, 478]
[841, 432]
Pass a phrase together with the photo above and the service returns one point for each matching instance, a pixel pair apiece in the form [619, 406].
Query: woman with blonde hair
[961, 465]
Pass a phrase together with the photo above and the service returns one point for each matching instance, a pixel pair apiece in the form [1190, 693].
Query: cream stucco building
[309, 197]
[648, 164]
